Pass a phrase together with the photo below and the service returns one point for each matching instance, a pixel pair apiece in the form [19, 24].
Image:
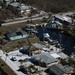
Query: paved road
[65, 13]
[10, 64]
[24, 20]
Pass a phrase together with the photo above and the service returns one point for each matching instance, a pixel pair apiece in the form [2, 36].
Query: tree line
[54, 6]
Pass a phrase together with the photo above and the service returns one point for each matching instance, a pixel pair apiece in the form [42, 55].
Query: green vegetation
[4, 15]
[4, 29]
[7, 28]
[69, 29]
[52, 5]
[4, 69]
[10, 46]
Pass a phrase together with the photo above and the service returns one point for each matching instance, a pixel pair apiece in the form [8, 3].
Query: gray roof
[24, 7]
[43, 73]
[16, 32]
[19, 6]
[63, 55]
[64, 18]
[45, 57]
[30, 25]
[7, 0]
[58, 69]
[27, 64]
[36, 45]
[67, 68]
[57, 23]
[15, 4]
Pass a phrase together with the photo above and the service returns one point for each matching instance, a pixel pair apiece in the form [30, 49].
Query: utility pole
[31, 13]
[72, 18]
[6, 54]
[43, 31]
[29, 43]
[60, 39]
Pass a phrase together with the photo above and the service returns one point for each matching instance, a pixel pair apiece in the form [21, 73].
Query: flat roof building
[20, 8]
[46, 58]
[63, 19]
[16, 34]
[55, 55]
[63, 55]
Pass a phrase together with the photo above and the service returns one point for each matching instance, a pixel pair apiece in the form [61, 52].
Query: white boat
[55, 26]
[46, 35]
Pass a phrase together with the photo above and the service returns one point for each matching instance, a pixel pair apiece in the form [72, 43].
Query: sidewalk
[10, 64]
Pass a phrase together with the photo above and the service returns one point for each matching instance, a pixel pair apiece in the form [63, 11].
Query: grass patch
[16, 44]
[35, 40]
[6, 68]
[4, 29]
[9, 27]
[13, 45]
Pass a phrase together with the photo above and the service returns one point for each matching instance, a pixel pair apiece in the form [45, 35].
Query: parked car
[13, 59]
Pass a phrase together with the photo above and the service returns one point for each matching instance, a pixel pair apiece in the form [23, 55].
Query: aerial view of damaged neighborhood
[37, 37]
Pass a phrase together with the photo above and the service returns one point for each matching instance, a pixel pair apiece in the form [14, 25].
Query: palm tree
[21, 61]
[29, 48]
[49, 17]
[30, 15]
[6, 54]
[60, 39]
[49, 14]
[43, 31]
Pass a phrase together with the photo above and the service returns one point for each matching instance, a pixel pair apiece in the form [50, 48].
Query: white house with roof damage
[63, 19]
[20, 8]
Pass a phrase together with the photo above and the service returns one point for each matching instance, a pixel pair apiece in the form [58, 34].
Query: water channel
[67, 41]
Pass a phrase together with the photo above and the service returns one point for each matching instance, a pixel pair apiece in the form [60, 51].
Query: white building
[7, 1]
[20, 7]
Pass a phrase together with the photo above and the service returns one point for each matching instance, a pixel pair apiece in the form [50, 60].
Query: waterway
[67, 42]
